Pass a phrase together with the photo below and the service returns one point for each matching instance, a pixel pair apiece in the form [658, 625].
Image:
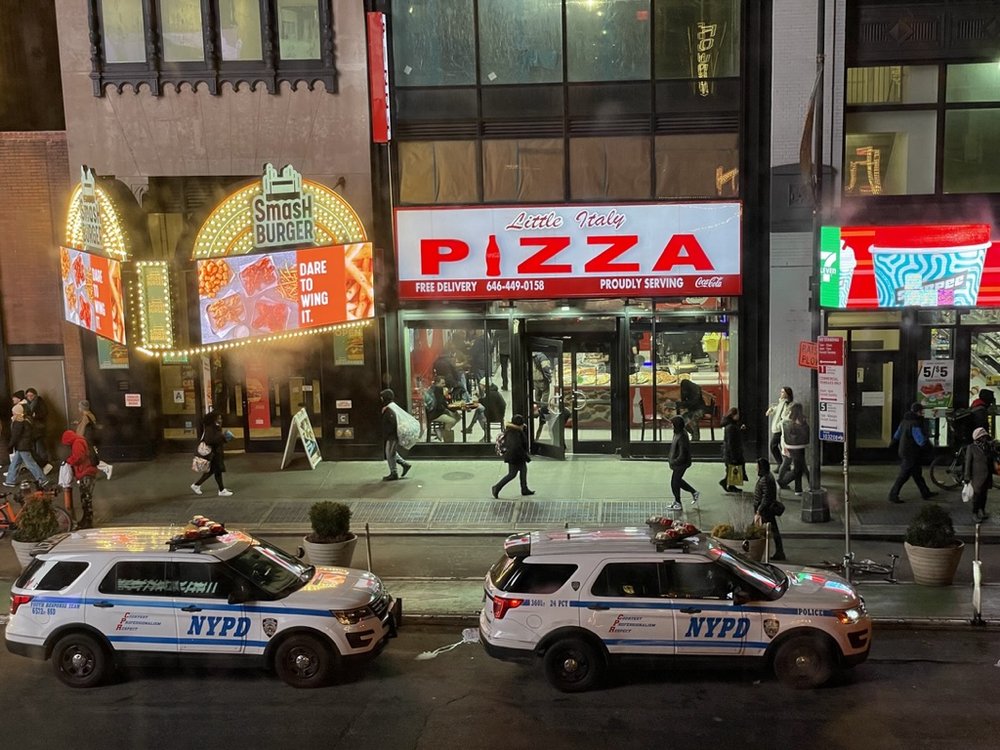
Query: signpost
[833, 419]
[808, 355]
[302, 429]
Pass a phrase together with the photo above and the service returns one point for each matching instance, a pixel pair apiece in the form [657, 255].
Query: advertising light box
[266, 294]
[939, 265]
[92, 293]
[545, 252]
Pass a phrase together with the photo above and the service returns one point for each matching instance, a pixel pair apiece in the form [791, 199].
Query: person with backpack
[514, 445]
[87, 426]
[980, 460]
[390, 437]
[81, 458]
[794, 441]
[767, 507]
[680, 461]
[913, 443]
[21, 443]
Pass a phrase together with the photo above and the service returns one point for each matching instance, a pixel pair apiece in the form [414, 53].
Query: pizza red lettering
[601, 263]
[434, 252]
[551, 246]
[683, 250]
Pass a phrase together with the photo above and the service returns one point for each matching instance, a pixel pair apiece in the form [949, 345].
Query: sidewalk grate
[287, 512]
[558, 511]
[401, 512]
[473, 513]
[631, 512]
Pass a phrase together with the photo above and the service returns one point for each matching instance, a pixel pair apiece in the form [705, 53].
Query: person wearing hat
[981, 408]
[21, 442]
[390, 437]
[912, 442]
[980, 459]
[87, 427]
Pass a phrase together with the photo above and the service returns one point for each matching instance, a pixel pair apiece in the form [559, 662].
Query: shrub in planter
[728, 531]
[931, 546]
[37, 521]
[931, 527]
[331, 522]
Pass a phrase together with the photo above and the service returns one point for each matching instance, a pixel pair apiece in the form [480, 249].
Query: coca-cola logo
[709, 282]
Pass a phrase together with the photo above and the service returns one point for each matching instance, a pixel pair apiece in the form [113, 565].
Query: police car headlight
[849, 616]
[352, 616]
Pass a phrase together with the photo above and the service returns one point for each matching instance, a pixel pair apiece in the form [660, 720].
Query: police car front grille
[380, 606]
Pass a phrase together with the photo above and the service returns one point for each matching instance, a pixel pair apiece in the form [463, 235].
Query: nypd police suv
[89, 595]
[581, 599]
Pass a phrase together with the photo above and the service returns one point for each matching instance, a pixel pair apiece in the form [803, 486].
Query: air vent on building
[610, 126]
[540, 128]
[435, 131]
[717, 122]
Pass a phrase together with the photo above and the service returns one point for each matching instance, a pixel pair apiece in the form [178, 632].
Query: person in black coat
[680, 461]
[732, 447]
[912, 444]
[980, 410]
[515, 455]
[495, 405]
[765, 505]
[215, 438]
[390, 437]
[36, 408]
[980, 458]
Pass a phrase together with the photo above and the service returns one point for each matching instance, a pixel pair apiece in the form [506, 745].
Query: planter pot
[23, 551]
[934, 566]
[755, 549]
[333, 553]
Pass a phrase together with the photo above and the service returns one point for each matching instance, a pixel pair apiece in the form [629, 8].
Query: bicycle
[947, 472]
[849, 566]
[20, 496]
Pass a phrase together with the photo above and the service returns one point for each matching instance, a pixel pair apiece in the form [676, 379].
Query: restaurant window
[520, 41]
[890, 153]
[698, 166]
[892, 84]
[285, 37]
[450, 368]
[435, 44]
[607, 40]
[697, 40]
[523, 170]
[971, 142]
[239, 30]
[974, 82]
[609, 168]
[437, 172]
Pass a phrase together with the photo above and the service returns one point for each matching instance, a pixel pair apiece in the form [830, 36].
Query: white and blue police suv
[580, 600]
[91, 595]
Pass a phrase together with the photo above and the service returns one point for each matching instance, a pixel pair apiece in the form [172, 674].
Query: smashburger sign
[665, 250]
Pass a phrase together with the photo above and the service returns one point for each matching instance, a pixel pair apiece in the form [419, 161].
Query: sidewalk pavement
[453, 497]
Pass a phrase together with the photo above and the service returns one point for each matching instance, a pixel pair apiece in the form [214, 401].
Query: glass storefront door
[545, 378]
[588, 393]
[274, 390]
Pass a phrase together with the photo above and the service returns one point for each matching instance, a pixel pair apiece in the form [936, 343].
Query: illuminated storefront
[628, 304]
[918, 307]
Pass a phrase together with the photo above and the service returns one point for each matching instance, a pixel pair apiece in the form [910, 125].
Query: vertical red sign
[258, 395]
[378, 78]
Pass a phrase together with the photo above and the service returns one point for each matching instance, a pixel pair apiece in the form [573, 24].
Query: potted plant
[36, 523]
[748, 538]
[932, 547]
[331, 541]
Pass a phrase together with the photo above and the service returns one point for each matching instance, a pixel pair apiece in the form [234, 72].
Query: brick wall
[34, 191]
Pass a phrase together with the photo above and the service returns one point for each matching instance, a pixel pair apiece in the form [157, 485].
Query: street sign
[808, 354]
[830, 375]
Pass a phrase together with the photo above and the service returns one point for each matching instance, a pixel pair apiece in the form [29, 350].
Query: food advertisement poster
[931, 265]
[936, 383]
[349, 348]
[92, 293]
[266, 294]
[111, 355]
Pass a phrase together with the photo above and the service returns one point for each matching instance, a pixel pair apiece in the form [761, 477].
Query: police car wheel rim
[78, 662]
[573, 665]
[303, 661]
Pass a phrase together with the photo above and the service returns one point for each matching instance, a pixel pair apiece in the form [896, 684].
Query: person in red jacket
[84, 470]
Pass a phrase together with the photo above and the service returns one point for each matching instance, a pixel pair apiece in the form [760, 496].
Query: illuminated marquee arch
[229, 229]
[113, 234]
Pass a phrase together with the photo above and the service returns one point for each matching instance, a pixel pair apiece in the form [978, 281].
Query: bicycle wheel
[946, 472]
[64, 521]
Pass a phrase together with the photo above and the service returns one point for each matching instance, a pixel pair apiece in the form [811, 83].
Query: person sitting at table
[496, 407]
[439, 411]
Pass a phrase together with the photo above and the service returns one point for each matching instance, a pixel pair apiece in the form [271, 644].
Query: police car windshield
[271, 569]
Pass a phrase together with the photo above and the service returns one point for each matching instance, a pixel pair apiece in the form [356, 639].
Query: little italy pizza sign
[650, 250]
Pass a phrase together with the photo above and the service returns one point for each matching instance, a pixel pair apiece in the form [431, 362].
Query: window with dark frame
[211, 42]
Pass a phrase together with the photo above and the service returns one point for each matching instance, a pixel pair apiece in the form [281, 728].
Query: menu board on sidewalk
[301, 429]
[92, 293]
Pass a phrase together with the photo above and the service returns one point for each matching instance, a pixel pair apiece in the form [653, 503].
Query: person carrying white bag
[396, 431]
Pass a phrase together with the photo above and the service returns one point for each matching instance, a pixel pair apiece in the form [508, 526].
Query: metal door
[870, 418]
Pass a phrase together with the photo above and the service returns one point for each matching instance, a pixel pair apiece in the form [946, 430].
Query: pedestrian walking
[390, 438]
[215, 438]
[732, 451]
[779, 412]
[691, 405]
[912, 444]
[515, 455]
[87, 426]
[980, 463]
[81, 458]
[21, 441]
[980, 410]
[766, 505]
[794, 441]
[680, 461]
[38, 411]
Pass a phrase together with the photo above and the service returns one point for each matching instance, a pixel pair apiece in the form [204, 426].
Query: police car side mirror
[240, 592]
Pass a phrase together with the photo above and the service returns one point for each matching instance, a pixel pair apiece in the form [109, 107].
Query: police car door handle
[690, 610]
[190, 608]
[103, 605]
[598, 607]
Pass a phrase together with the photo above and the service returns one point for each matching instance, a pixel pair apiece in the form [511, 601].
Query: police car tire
[80, 661]
[312, 675]
[573, 665]
[804, 661]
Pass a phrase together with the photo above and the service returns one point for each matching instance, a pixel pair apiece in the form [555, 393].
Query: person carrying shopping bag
[215, 438]
[81, 459]
[732, 451]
